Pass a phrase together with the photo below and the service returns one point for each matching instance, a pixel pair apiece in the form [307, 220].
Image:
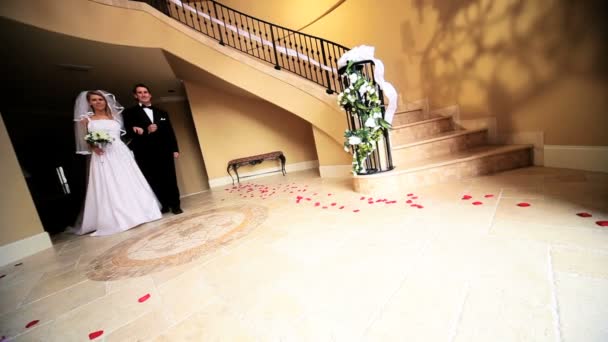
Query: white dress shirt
[148, 112]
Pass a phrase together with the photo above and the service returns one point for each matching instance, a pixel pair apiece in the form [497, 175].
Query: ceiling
[31, 62]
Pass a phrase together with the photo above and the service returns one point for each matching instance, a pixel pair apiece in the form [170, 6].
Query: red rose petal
[467, 197]
[95, 334]
[308, 199]
[523, 204]
[317, 204]
[408, 201]
[584, 214]
[477, 203]
[362, 198]
[342, 207]
[144, 298]
[324, 207]
[328, 194]
[408, 195]
[415, 197]
[488, 196]
[356, 211]
[31, 324]
[602, 223]
[414, 205]
[333, 204]
[419, 206]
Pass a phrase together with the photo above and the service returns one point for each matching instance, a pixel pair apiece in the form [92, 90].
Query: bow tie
[144, 106]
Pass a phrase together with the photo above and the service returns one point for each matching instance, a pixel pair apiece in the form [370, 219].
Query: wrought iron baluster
[274, 48]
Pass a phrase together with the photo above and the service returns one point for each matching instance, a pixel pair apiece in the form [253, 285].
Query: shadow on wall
[497, 56]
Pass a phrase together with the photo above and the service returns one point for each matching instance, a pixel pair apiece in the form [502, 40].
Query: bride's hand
[98, 151]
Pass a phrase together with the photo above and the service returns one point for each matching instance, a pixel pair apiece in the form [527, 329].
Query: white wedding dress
[118, 196]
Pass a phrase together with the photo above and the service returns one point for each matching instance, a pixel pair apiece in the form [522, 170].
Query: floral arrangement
[361, 99]
[98, 138]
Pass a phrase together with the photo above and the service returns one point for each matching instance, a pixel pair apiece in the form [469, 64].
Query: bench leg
[235, 168]
[283, 160]
[228, 170]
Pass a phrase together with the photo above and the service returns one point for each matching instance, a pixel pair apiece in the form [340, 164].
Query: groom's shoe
[177, 211]
[164, 210]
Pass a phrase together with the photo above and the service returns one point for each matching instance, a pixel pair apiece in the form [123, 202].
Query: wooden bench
[254, 160]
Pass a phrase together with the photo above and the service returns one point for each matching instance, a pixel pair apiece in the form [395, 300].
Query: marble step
[409, 116]
[473, 162]
[419, 130]
[439, 145]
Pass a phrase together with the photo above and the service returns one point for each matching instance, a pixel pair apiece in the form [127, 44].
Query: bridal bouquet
[98, 138]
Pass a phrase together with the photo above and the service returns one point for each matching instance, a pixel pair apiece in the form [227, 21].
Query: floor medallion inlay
[178, 241]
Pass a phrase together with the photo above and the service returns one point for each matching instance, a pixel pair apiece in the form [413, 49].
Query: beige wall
[329, 152]
[231, 126]
[292, 14]
[533, 65]
[18, 216]
[190, 166]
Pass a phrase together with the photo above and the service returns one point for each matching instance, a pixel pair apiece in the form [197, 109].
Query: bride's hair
[90, 93]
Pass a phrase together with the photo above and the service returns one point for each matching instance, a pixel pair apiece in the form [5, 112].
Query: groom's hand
[138, 130]
[152, 128]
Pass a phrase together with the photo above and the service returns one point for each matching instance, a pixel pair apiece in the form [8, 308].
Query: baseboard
[23, 248]
[307, 165]
[335, 171]
[193, 193]
[589, 158]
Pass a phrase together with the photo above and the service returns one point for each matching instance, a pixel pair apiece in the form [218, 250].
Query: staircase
[425, 149]
[429, 149]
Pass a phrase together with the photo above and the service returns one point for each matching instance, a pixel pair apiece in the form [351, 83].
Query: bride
[118, 197]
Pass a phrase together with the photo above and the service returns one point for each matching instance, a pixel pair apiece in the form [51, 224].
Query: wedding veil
[83, 111]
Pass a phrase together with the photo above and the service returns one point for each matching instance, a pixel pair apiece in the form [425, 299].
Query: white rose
[353, 78]
[354, 140]
[370, 122]
[377, 115]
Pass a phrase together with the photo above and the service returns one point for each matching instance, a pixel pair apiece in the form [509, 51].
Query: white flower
[370, 122]
[362, 90]
[354, 140]
[352, 78]
[377, 115]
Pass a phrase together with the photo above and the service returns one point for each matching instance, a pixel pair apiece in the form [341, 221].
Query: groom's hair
[138, 85]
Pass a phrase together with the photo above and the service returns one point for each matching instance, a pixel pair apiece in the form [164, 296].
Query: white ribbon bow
[363, 53]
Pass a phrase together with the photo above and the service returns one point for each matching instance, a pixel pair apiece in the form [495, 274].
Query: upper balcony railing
[311, 57]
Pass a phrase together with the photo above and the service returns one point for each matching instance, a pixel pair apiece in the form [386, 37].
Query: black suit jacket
[161, 141]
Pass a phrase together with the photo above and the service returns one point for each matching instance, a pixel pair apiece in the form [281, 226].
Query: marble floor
[517, 256]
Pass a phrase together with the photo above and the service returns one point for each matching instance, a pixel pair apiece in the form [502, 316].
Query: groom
[155, 147]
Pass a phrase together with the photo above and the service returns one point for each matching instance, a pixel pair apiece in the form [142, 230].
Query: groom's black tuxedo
[154, 152]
